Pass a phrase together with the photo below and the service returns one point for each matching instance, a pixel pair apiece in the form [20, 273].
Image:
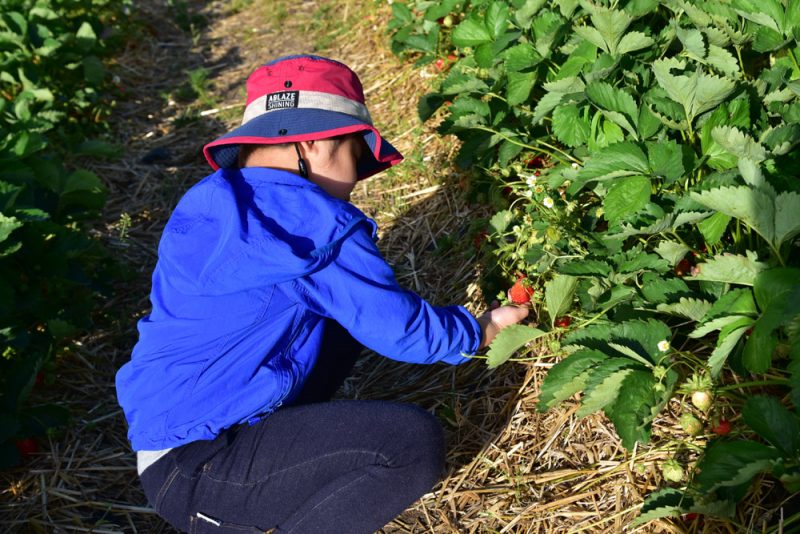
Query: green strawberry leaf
[717, 324]
[774, 422]
[626, 197]
[690, 308]
[633, 41]
[787, 221]
[605, 388]
[428, 104]
[569, 126]
[631, 413]
[500, 221]
[613, 161]
[738, 143]
[672, 251]
[697, 93]
[471, 32]
[558, 294]
[508, 341]
[567, 377]
[8, 225]
[557, 91]
[586, 267]
[610, 98]
[713, 228]
[754, 207]
[692, 40]
[759, 347]
[722, 60]
[635, 260]
[521, 57]
[728, 339]
[667, 502]
[611, 24]
[730, 268]
[666, 159]
[496, 19]
[641, 336]
[781, 139]
[591, 35]
[546, 28]
[735, 301]
[777, 293]
[661, 290]
[730, 463]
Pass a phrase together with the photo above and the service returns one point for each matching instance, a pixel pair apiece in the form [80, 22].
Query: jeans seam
[165, 487]
[320, 503]
[285, 469]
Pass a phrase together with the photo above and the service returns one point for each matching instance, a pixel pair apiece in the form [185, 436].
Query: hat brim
[294, 125]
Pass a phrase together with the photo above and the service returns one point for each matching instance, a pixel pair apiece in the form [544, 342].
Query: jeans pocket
[201, 523]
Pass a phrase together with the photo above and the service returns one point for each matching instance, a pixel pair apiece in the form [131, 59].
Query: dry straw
[511, 469]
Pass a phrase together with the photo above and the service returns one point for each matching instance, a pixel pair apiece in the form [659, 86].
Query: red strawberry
[439, 64]
[480, 238]
[563, 322]
[723, 428]
[535, 161]
[452, 58]
[683, 267]
[26, 446]
[521, 292]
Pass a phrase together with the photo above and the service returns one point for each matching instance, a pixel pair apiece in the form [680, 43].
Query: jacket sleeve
[358, 290]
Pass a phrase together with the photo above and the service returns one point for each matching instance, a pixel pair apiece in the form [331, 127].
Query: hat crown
[304, 73]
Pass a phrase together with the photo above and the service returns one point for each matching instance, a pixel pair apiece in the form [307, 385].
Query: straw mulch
[511, 469]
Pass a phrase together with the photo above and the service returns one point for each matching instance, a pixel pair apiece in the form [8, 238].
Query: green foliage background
[641, 158]
[54, 96]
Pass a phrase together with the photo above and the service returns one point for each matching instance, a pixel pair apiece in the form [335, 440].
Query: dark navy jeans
[339, 467]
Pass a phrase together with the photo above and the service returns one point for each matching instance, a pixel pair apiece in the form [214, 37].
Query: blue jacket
[250, 264]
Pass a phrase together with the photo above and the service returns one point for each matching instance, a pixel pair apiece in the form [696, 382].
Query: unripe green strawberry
[691, 425]
[702, 400]
[672, 470]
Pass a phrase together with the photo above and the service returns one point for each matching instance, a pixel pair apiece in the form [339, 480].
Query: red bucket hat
[303, 98]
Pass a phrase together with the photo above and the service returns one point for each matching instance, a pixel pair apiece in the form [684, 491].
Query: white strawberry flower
[530, 180]
[548, 202]
[574, 165]
[663, 345]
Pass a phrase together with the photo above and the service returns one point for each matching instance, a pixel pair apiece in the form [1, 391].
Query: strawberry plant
[422, 28]
[728, 467]
[51, 102]
[641, 157]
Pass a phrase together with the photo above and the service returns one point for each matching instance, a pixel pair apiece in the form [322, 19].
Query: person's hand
[499, 317]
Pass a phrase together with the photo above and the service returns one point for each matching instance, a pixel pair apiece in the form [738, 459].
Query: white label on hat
[282, 100]
[305, 100]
